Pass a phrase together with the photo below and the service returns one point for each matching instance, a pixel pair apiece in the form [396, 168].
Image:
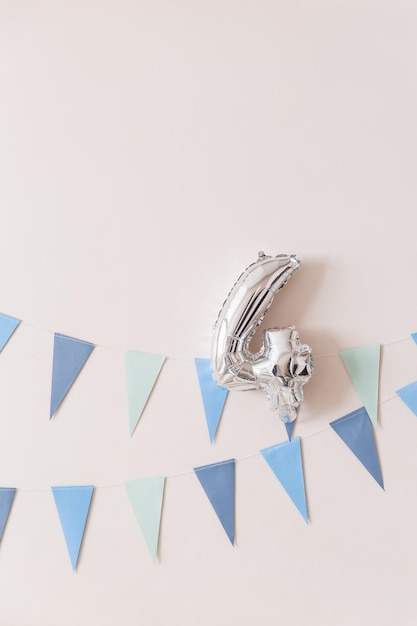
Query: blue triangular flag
[355, 430]
[213, 395]
[408, 394]
[218, 481]
[285, 461]
[289, 427]
[69, 357]
[362, 365]
[6, 499]
[414, 336]
[7, 327]
[73, 504]
[142, 371]
[146, 497]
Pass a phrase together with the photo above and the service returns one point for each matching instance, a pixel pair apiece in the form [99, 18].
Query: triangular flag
[285, 461]
[414, 336]
[362, 365]
[355, 430]
[289, 427]
[408, 394]
[7, 327]
[146, 497]
[142, 370]
[6, 499]
[213, 395]
[218, 481]
[69, 357]
[73, 504]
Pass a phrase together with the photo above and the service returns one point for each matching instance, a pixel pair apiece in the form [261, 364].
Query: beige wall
[148, 150]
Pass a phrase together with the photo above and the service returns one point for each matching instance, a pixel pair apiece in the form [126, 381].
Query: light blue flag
[7, 327]
[213, 396]
[362, 365]
[146, 497]
[355, 430]
[408, 395]
[73, 505]
[289, 427]
[69, 357]
[6, 499]
[414, 336]
[218, 481]
[142, 370]
[285, 461]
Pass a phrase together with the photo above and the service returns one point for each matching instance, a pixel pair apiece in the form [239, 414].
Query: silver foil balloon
[283, 365]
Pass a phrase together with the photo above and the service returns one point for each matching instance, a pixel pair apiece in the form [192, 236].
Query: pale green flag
[146, 496]
[142, 370]
[362, 365]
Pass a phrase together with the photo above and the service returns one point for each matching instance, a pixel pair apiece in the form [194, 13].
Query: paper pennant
[73, 504]
[6, 499]
[414, 336]
[408, 395]
[142, 370]
[213, 396]
[218, 481]
[362, 365]
[146, 497]
[285, 461]
[69, 357]
[7, 327]
[355, 430]
[289, 427]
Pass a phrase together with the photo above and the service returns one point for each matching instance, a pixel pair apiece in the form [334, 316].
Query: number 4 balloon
[283, 365]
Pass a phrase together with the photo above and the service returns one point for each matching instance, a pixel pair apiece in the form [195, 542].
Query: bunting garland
[217, 479]
[73, 505]
[408, 395]
[362, 365]
[218, 482]
[7, 495]
[289, 427]
[69, 357]
[146, 497]
[285, 461]
[212, 394]
[7, 327]
[356, 432]
[142, 370]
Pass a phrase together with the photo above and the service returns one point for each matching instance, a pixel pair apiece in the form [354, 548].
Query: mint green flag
[362, 365]
[142, 370]
[146, 497]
